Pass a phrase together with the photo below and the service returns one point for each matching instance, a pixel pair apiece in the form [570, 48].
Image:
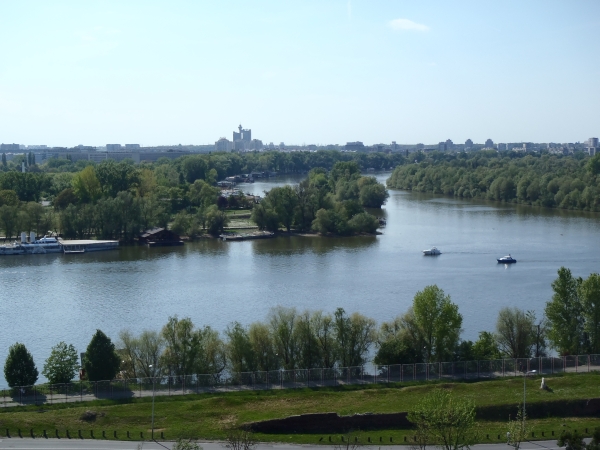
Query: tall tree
[354, 336]
[181, 346]
[515, 332]
[589, 293]
[282, 321]
[101, 362]
[263, 347]
[439, 323]
[19, 368]
[239, 349]
[62, 364]
[564, 313]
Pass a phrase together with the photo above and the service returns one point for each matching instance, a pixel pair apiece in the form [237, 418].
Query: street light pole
[153, 382]
[524, 395]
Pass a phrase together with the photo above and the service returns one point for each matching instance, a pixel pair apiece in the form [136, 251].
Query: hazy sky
[314, 72]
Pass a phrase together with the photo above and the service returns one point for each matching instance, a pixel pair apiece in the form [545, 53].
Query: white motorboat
[433, 251]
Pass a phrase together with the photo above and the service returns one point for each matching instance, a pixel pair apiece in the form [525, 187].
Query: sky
[303, 72]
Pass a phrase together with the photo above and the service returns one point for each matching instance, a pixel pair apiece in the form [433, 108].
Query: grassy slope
[207, 416]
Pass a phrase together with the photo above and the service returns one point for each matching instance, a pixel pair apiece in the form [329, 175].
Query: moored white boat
[433, 251]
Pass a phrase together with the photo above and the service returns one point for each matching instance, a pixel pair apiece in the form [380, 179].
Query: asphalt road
[79, 444]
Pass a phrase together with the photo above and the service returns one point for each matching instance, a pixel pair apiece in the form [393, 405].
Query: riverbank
[209, 416]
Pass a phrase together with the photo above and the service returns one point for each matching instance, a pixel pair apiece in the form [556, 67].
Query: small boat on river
[433, 251]
[507, 260]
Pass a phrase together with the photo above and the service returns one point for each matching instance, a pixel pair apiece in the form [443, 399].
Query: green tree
[354, 335]
[9, 197]
[62, 364]
[101, 362]
[445, 420]
[282, 321]
[216, 220]
[518, 429]
[19, 368]
[9, 219]
[564, 313]
[399, 342]
[263, 347]
[571, 440]
[181, 346]
[86, 185]
[240, 351]
[486, 347]
[4, 163]
[438, 321]
[589, 293]
[371, 193]
[64, 198]
[515, 332]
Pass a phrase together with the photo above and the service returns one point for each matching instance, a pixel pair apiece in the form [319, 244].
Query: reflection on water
[48, 298]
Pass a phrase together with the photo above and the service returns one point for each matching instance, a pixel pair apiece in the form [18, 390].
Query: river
[50, 298]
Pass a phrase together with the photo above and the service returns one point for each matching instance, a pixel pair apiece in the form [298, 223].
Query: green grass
[207, 416]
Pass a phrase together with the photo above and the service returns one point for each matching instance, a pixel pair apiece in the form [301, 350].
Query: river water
[45, 299]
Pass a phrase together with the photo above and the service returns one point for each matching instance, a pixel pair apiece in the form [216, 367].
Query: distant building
[449, 145]
[502, 147]
[420, 146]
[9, 147]
[37, 147]
[468, 143]
[489, 143]
[442, 146]
[592, 146]
[113, 147]
[223, 145]
[130, 146]
[242, 139]
[355, 146]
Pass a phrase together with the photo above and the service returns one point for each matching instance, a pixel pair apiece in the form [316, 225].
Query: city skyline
[314, 73]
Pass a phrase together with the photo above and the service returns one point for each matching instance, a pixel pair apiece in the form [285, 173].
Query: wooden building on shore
[160, 237]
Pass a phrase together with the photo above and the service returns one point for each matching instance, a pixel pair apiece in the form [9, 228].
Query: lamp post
[153, 381]
[527, 372]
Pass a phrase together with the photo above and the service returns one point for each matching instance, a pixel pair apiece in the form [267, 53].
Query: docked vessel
[507, 260]
[50, 244]
[433, 251]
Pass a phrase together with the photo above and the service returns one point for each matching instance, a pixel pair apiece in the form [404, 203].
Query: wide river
[45, 299]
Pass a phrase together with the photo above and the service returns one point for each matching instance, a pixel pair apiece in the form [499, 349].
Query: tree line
[331, 202]
[119, 200]
[544, 180]
[429, 332]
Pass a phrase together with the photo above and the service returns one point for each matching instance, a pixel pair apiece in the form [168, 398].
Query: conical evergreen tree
[101, 361]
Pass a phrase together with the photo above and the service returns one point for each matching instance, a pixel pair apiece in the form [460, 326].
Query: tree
[397, 343]
[9, 197]
[64, 198]
[518, 430]
[438, 321]
[282, 321]
[354, 335]
[9, 219]
[186, 444]
[486, 347]
[589, 293]
[181, 346]
[19, 368]
[4, 163]
[571, 440]
[564, 313]
[239, 349]
[371, 193]
[445, 420]
[262, 347]
[62, 364]
[216, 220]
[514, 332]
[101, 361]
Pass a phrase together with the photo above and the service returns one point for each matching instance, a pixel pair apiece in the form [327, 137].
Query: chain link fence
[289, 379]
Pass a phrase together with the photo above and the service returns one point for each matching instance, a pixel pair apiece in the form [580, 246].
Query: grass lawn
[207, 416]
